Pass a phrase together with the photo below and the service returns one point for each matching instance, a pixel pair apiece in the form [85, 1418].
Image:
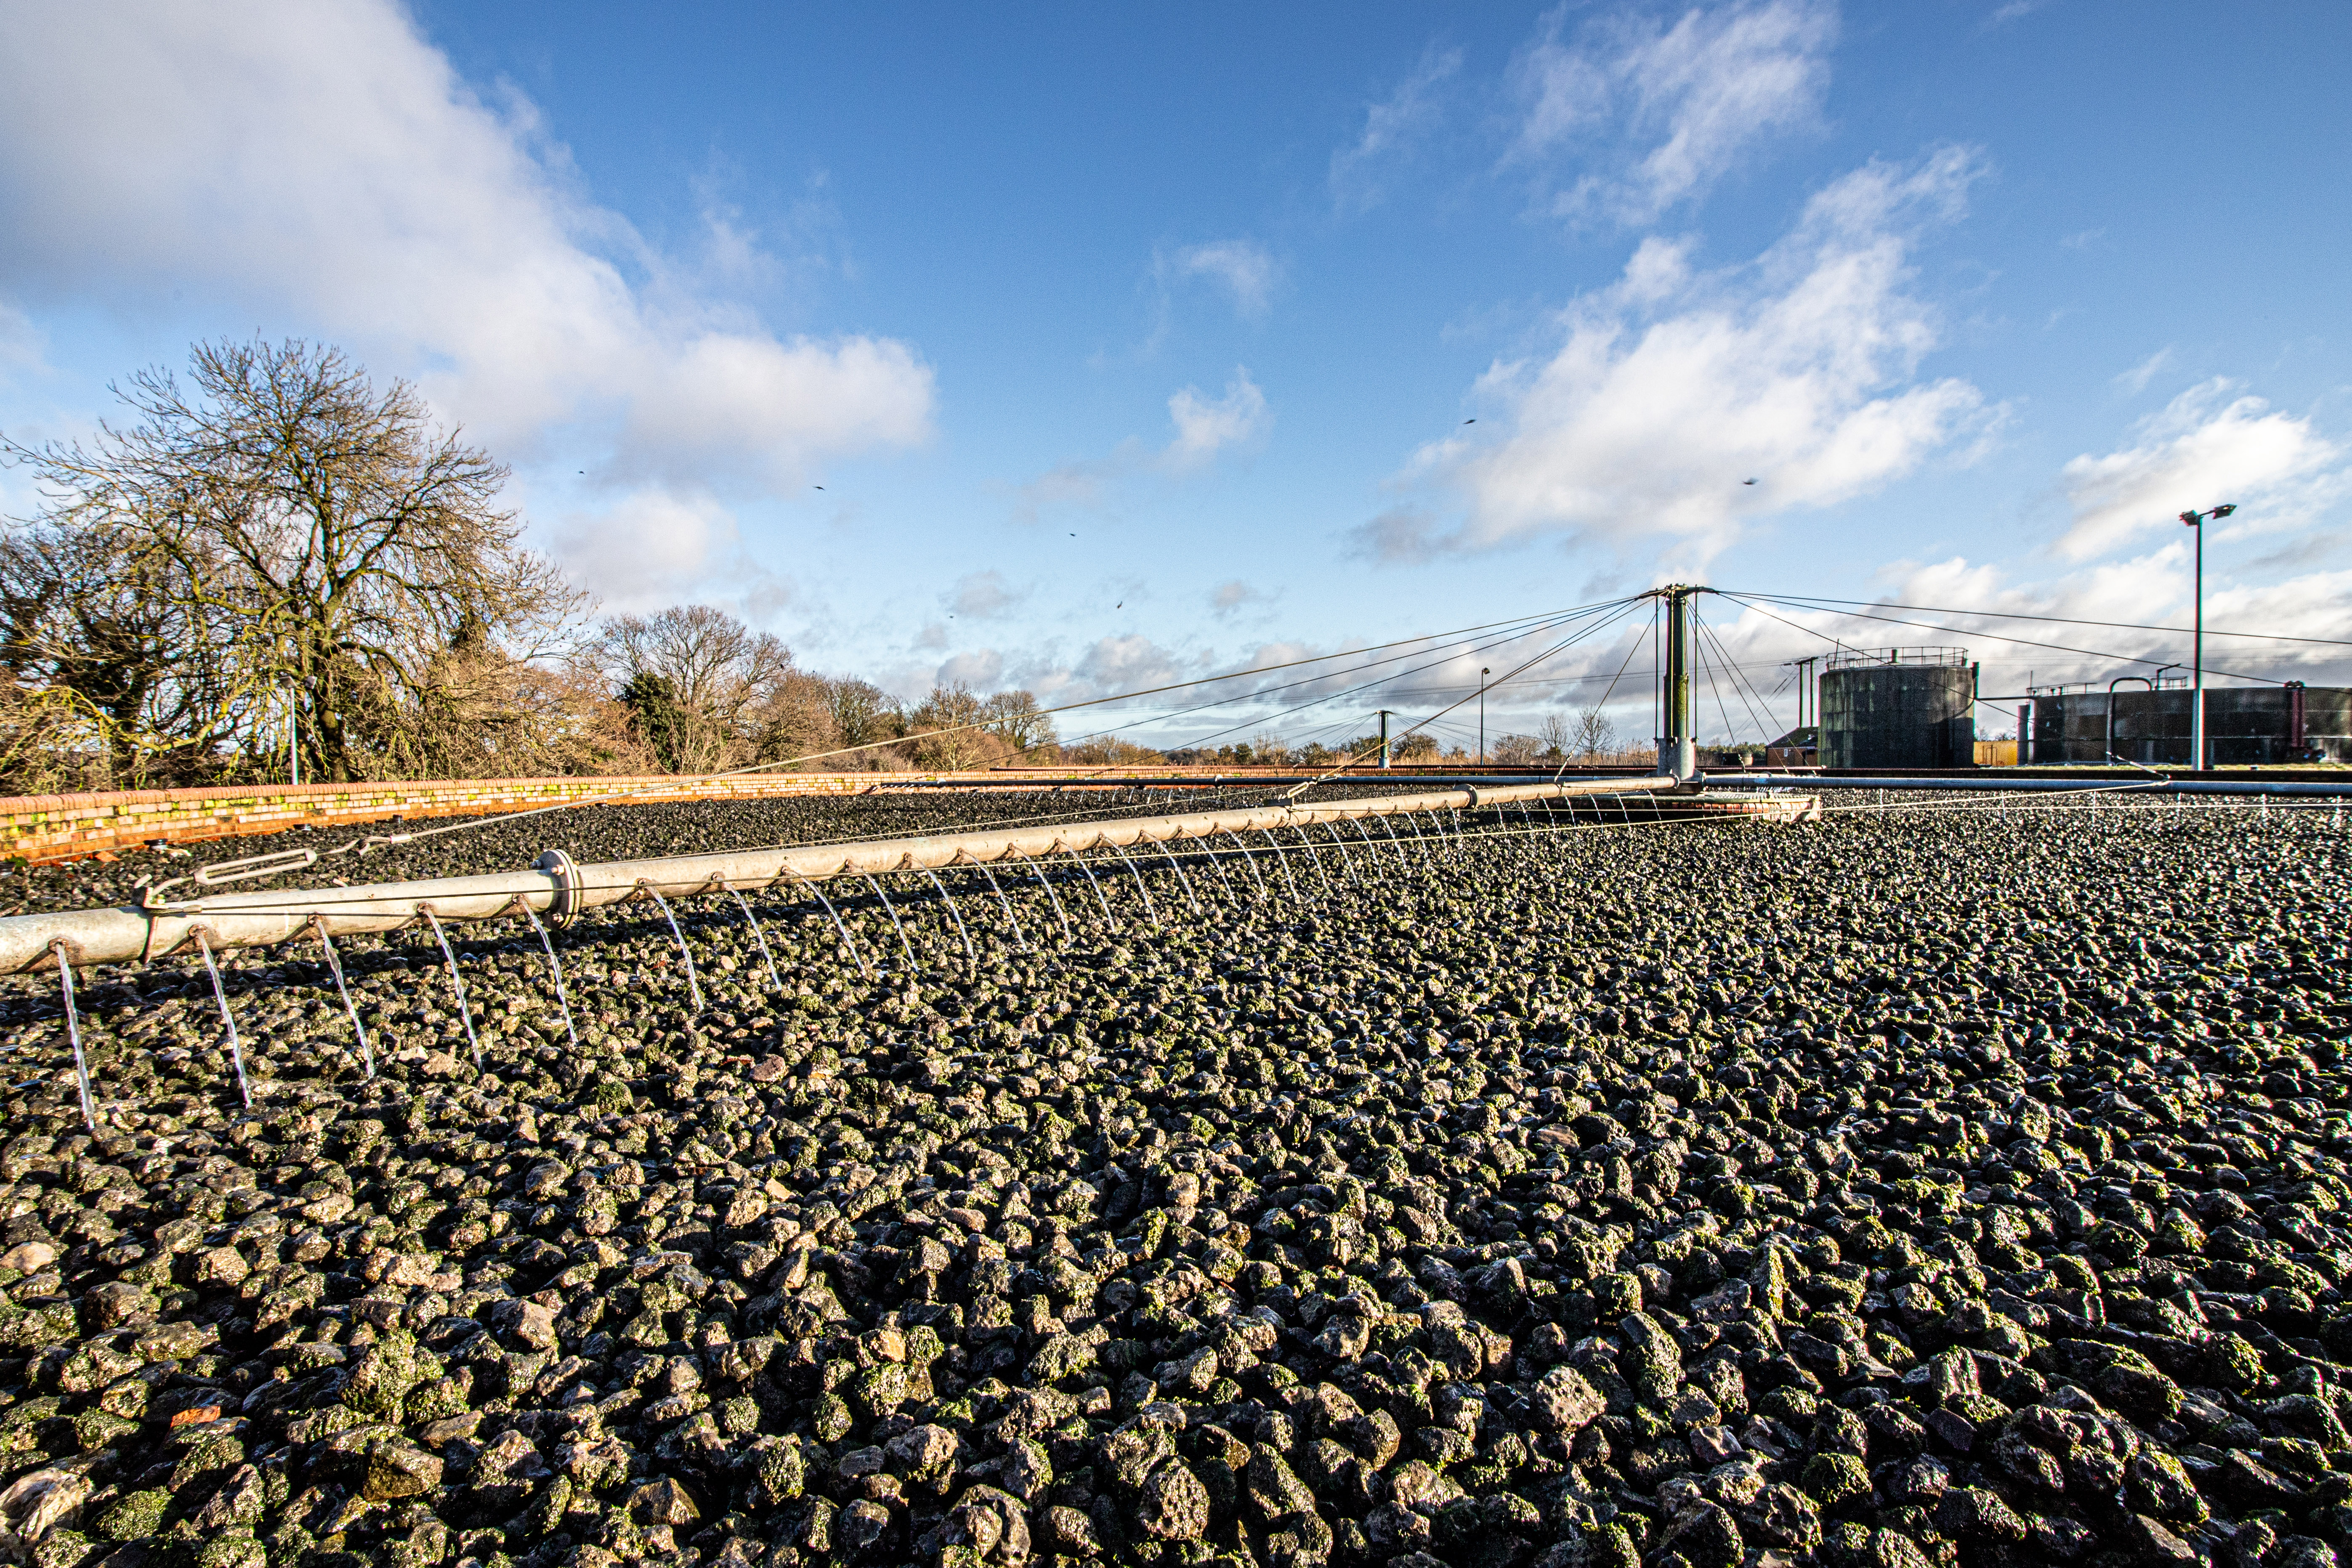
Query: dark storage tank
[1898, 707]
[2244, 725]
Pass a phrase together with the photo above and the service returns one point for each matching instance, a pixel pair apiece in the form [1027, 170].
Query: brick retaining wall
[49, 828]
[42, 828]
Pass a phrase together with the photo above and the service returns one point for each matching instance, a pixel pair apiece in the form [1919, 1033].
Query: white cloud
[1205, 428]
[1401, 536]
[20, 341]
[655, 545]
[983, 594]
[742, 403]
[981, 670]
[1390, 126]
[1666, 111]
[1672, 388]
[1232, 596]
[322, 165]
[1242, 266]
[1127, 663]
[2134, 382]
[2146, 591]
[2315, 604]
[2205, 447]
[1082, 485]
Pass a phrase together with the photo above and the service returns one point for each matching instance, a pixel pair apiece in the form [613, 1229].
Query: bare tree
[796, 720]
[1013, 717]
[1110, 750]
[948, 733]
[1557, 736]
[105, 642]
[306, 545]
[1596, 735]
[712, 662]
[708, 692]
[863, 715]
[1517, 751]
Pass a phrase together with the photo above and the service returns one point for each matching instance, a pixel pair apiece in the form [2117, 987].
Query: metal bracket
[254, 865]
[151, 901]
[568, 889]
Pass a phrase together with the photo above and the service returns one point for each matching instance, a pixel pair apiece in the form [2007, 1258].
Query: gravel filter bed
[1964, 1186]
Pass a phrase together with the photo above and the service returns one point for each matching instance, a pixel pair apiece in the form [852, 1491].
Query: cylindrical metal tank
[1898, 707]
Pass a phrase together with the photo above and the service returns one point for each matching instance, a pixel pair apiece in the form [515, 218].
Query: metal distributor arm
[163, 928]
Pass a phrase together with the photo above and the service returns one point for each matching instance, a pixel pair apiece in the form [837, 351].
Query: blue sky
[1131, 345]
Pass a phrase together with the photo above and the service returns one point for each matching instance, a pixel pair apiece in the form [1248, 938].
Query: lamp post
[1483, 673]
[2195, 522]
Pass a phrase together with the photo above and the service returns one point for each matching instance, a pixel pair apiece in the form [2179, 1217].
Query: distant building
[1797, 749]
[2244, 725]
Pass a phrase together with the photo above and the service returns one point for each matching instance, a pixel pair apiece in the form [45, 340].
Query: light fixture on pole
[1483, 673]
[2197, 520]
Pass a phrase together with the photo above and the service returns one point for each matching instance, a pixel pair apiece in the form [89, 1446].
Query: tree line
[1589, 737]
[276, 568]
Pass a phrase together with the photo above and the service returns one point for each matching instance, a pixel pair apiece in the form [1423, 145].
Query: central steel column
[1678, 747]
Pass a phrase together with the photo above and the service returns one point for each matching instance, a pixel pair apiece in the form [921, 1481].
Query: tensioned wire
[1083, 812]
[1524, 627]
[1625, 608]
[1525, 630]
[363, 845]
[1619, 606]
[1810, 601]
[1751, 697]
[1752, 602]
[1698, 647]
[1708, 636]
[1521, 626]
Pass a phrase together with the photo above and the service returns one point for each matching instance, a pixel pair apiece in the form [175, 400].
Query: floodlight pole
[2197, 522]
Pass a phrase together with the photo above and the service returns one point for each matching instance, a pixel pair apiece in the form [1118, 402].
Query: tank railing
[1889, 657]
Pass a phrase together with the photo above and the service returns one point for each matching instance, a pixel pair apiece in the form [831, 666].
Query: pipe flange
[569, 896]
